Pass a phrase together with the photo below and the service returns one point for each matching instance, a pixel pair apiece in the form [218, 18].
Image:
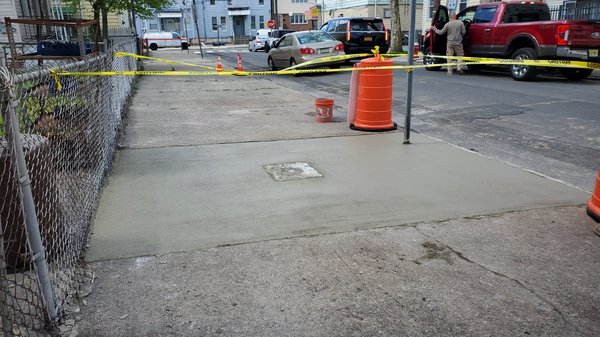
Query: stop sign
[271, 24]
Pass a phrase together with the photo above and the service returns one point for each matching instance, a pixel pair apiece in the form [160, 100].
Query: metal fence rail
[571, 10]
[68, 139]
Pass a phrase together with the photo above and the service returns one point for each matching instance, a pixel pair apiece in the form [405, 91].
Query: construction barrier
[374, 99]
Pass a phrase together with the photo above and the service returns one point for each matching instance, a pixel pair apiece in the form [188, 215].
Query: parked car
[257, 42]
[300, 47]
[359, 34]
[155, 40]
[520, 31]
[274, 36]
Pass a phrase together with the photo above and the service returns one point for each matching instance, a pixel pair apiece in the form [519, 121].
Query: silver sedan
[299, 47]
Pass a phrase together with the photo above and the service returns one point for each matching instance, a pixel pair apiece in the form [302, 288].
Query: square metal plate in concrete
[292, 171]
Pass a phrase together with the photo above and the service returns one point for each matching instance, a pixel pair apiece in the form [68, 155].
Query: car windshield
[314, 37]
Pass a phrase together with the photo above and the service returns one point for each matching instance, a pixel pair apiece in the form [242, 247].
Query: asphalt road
[550, 126]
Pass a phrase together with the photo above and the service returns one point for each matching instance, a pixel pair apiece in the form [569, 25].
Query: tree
[396, 44]
[141, 8]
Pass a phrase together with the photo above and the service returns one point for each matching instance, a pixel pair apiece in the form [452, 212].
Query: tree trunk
[396, 43]
[105, 24]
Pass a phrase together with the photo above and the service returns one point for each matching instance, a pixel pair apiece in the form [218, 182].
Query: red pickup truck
[519, 30]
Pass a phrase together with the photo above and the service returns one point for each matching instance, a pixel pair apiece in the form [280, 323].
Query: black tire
[474, 67]
[293, 63]
[153, 46]
[524, 73]
[575, 74]
[271, 63]
[427, 59]
[185, 46]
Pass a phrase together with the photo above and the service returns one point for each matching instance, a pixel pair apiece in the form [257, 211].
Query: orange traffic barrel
[593, 207]
[374, 101]
[324, 107]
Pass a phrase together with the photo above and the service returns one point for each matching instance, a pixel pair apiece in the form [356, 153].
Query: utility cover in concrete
[292, 171]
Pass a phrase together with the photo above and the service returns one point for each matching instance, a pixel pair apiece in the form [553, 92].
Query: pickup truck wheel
[575, 73]
[429, 59]
[474, 67]
[524, 73]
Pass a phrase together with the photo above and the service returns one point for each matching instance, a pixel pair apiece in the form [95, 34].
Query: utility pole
[195, 14]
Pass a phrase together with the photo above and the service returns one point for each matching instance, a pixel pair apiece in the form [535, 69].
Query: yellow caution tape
[297, 69]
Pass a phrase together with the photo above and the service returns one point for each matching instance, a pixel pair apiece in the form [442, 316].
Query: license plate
[368, 38]
[593, 53]
[324, 51]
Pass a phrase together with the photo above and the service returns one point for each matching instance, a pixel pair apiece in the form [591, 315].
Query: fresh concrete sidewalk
[469, 246]
[177, 199]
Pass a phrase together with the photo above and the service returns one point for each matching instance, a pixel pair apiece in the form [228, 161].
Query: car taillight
[562, 35]
[387, 36]
[348, 31]
[307, 51]
[339, 47]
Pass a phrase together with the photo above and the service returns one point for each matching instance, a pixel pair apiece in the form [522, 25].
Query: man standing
[455, 31]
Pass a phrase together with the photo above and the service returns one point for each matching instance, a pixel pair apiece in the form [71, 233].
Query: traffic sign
[271, 24]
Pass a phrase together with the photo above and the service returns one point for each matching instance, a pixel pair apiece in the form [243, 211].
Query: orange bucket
[324, 107]
[593, 206]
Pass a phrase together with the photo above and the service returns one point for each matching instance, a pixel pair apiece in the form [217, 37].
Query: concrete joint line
[514, 280]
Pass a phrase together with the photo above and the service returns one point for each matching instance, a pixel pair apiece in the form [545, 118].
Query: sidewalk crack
[512, 279]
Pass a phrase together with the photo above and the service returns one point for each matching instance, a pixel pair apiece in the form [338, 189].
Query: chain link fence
[67, 139]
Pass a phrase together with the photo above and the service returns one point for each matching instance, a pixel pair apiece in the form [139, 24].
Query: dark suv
[359, 34]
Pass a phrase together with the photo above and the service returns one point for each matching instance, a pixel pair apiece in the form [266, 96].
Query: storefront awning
[169, 15]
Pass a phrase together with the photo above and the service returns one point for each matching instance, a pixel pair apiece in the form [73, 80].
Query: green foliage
[141, 7]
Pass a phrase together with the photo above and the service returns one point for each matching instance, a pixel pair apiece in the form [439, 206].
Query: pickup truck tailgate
[584, 34]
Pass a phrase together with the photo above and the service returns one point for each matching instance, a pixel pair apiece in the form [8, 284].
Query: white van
[155, 40]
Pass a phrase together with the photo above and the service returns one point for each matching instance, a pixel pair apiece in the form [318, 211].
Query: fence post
[32, 227]
[5, 299]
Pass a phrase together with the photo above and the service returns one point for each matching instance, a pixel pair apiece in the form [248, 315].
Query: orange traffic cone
[219, 65]
[239, 63]
[593, 207]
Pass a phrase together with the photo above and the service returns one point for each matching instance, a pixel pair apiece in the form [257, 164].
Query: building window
[261, 2]
[387, 13]
[214, 23]
[299, 1]
[223, 23]
[462, 5]
[153, 26]
[261, 22]
[298, 19]
[212, 2]
[253, 22]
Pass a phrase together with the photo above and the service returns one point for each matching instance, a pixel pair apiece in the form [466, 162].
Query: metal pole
[5, 299]
[411, 60]
[32, 227]
[376, 8]
[195, 13]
